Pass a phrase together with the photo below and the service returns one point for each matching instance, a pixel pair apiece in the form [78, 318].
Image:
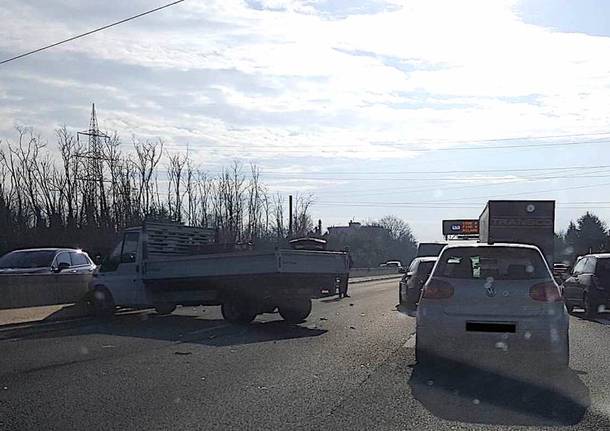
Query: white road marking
[410, 343]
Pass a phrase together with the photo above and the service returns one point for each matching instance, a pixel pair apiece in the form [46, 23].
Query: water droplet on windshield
[476, 402]
[554, 335]
[84, 350]
[430, 382]
[502, 346]
[527, 335]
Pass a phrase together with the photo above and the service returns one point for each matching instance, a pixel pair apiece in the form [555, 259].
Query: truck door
[121, 273]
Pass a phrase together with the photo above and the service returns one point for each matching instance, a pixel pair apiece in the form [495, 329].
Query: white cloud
[377, 77]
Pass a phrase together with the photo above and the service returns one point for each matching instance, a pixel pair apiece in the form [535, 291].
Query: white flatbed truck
[164, 265]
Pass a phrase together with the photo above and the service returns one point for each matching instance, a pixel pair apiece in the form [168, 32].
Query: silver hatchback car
[492, 303]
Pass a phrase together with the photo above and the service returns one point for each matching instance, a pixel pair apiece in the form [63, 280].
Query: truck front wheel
[165, 308]
[295, 310]
[102, 304]
[237, 312]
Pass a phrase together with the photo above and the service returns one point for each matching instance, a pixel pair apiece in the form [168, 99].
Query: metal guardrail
[365, 272]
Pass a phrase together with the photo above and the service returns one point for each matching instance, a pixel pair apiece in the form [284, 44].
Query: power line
[409, 189]
[522, 138]
[429, 141]
[459, 201]
[463, 171]
[387, 148]
[90, 32]
[455, 179]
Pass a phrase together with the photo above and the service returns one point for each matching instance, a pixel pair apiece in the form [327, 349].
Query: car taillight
[437, 289]
[545, 292]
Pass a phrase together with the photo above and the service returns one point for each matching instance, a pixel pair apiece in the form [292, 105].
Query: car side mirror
[62, 266]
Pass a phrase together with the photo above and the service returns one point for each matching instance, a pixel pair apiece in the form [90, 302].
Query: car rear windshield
[501, 263]
[425, 268]
[27, 259]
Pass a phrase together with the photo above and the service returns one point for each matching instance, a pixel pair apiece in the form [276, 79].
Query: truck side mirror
[128, 258]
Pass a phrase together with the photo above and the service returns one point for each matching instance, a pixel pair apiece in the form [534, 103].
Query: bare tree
[302, 221]
[278, 212]
[177, 162]
[148, 156]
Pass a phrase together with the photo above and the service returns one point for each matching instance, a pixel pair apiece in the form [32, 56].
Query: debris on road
[183, 353]
[323, 318]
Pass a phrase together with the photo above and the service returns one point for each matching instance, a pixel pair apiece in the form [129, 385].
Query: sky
[423, 109]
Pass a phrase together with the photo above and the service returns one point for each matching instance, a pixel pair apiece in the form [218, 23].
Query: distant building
[354, 227]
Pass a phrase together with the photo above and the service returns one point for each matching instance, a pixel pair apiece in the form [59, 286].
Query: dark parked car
[589, 284]
[46, 261]
[412, 282]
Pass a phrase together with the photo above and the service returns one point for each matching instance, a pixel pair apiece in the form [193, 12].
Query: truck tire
[102, 303]
[165, 308]
[239, 312]
[295, 310]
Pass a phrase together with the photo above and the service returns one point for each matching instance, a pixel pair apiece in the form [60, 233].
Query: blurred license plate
[502, 327]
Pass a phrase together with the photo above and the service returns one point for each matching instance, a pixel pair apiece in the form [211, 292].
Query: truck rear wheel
[165, 308]
[295, 310]
[237, 312]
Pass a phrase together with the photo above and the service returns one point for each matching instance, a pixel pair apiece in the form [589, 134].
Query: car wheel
[235, 311]
[296, 310]
[102, 303]
[560, 362]
[424, 357]
[401, 298]
[590, 307]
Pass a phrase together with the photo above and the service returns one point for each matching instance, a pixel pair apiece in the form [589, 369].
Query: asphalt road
[350, 366]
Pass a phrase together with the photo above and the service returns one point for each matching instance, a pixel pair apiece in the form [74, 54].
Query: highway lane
[350, 366]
